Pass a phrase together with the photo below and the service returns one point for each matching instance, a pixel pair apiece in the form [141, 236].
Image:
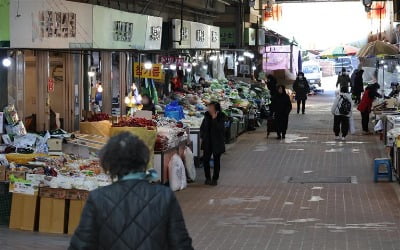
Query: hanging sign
[185, 39]
[155, 72]
[200, 36]
[55, 24]
[214, 37]
[153, 33]
[50, 85]
[227, 36]
[179, 61]
[250, 36]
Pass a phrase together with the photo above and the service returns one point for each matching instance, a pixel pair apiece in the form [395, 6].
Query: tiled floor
[255, 208]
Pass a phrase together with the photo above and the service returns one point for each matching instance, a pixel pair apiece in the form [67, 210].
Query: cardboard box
[75, 211]
[2, 173]
[57, 193]
[52, 215]
[75, 194]
[24, 210]
[17, 174]
[55, 145]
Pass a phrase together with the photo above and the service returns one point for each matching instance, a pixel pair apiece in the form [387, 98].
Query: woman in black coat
[358, 87]
[212, 133]
[281, 107]
[131, 213]
[302, 89]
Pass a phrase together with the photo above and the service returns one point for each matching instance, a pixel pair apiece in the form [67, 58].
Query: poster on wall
[214, 37]
[250, 36]
[186, 35]
[50, 24]
[4, 22]
[153, 33]
[227, 36]
[200, 36]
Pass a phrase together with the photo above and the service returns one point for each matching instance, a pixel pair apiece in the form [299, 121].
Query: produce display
[136, 122]
[97, 117]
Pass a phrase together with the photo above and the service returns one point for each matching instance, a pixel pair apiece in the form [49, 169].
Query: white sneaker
[343, 138]
[337, 138]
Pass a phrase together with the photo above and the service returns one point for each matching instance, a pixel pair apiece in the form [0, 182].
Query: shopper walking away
[281, 107]
[121, 215]
[271, 84]
[365, 106]
[353, 78]
[212, 133]
[343, 80]
[358, 86]
[342, 111]
[302, 89]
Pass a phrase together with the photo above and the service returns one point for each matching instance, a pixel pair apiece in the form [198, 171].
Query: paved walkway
[255, 207]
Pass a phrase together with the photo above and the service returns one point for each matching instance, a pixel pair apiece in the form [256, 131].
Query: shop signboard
[199, 36]
[4, 23]
[227, 36]
[261, 37]
[115, 29]
[55, 24]
[155, 72]
[214, 37]
[153, 33]
[166, 60]
[250, 36]
[186, 36]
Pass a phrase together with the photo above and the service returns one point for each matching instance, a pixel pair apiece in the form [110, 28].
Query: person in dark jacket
[365, 106]
[302, 89]
[131, 213]
[281, 107]
[358, 86]
[148, 104]
[212, 133]
[343, 80]
[271, 84]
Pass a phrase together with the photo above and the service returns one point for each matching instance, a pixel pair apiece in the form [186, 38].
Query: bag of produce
[177, 175]
[175, 111]
[11, 115]
[189, 164]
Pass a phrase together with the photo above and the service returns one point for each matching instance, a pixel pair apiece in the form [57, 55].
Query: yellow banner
[155, 72]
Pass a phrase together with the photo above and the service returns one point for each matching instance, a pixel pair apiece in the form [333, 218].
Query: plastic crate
[5, 203]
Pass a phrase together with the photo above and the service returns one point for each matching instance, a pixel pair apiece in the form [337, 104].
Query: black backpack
[345, 106]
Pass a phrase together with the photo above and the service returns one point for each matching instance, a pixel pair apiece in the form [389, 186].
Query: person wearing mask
[302, 89]
[212, 134]
[343, 80]
[122, 215]
[148, 104]
[271, 84]
[365, 106]
[358, 86]
[281, 107]
[342, 111]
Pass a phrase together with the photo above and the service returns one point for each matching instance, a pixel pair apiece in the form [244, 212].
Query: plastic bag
[11, 115]
[177, 175]
[378, 126]
[352, 126]
[189, 164]
[175, 111]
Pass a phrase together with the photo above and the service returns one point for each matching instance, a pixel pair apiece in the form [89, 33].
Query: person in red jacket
[365, 106]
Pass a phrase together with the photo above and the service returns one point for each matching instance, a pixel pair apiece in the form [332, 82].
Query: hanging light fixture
[7, 62]
[148, 65]
[213, 57]
[205, 66]
[172, 67]
[194, 63]
[254, 67]
[91, 73]
[241, 58]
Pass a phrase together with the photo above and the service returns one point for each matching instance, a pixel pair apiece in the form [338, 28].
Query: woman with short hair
[131, 213]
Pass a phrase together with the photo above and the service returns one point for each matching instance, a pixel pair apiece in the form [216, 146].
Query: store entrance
[57, 91]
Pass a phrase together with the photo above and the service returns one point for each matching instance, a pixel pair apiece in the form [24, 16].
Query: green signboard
[4, 22]
[228, 36]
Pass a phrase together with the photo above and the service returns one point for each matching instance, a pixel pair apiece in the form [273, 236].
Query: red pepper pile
[99, 117]
[135, 122]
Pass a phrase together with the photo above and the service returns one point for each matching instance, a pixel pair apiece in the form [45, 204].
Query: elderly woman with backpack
[342, 111]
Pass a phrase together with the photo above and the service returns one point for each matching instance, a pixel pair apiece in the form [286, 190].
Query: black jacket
[132, 214]
[212, 133]
[281, 105]
[358, 87]
[301, 88]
